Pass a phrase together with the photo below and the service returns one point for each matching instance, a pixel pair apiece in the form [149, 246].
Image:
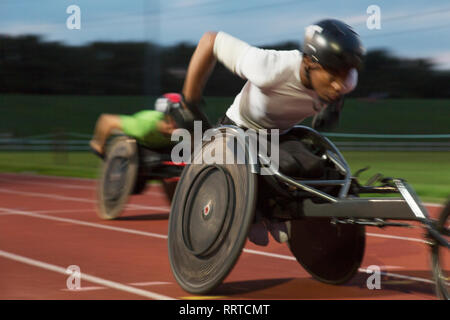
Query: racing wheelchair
[125, 170]
[214, 205]
[128, 164]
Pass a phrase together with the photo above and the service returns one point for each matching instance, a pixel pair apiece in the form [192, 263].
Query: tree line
[31, 65]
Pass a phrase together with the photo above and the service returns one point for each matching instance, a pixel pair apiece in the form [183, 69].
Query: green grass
[427, 172]
[25, 115]
[71, 164]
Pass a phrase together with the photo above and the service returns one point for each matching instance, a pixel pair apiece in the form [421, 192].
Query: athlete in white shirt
[283, 87]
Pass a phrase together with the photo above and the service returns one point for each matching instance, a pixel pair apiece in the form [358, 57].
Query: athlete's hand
[328, 118]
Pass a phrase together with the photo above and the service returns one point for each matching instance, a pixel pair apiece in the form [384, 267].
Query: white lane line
[150, 283]
[85, 289]
[435, 205]
[160, 236]
[272, 255]
[76, 210]
[84, 276]
[396, 275]
[135, 284]
[71, 186]
[64, 211]
[83, 223]
[387, 236]
[66, 198]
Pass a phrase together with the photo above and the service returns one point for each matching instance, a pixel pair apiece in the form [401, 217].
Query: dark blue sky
[416, 28]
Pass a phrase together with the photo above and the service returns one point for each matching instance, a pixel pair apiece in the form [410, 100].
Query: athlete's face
[329, 85]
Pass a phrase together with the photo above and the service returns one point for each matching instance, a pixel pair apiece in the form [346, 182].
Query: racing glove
[328, 118]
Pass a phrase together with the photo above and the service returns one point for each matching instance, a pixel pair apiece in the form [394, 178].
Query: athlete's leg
[106, 123]
[297, 161]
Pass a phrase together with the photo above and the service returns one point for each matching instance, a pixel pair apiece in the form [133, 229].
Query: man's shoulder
[289, 59]
[291, 54]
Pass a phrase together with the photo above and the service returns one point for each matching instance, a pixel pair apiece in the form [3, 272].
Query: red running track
[48, 224]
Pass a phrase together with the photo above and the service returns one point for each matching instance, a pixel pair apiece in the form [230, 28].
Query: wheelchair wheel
[440, 257]
[118, 177]
[212, 210]
[330, 253]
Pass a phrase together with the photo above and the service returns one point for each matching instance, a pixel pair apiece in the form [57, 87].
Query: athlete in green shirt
[152, 128]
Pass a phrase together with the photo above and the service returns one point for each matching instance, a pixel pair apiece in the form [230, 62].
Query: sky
[414, 28]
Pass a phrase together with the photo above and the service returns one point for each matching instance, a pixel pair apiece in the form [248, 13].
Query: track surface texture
[49, 223]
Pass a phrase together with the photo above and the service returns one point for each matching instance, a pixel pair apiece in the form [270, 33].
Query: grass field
[429, 173]
[26, 115]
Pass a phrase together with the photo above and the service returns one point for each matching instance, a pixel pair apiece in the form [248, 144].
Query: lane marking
[435, 205]
[71, 186]
[150, 283]
[160, 236]
[66, 198]
[5, 214]
[203, 297]
[76, 210]
[396, 275]
[84, 276]
[84, 223]
[387, 236]
[272, 255]
[64, 211]
[85, 289]
[135, 284]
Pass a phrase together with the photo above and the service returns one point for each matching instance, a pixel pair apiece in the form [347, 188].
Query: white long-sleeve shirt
[273, 96]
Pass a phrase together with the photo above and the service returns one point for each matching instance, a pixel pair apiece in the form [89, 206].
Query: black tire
[440, 256]
[117, 178]
[212, 210]
[330, 253]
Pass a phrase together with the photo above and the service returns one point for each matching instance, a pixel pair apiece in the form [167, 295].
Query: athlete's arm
[259, 66]
[200, 67]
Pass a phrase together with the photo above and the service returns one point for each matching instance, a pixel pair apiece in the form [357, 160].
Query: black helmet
[334, 45]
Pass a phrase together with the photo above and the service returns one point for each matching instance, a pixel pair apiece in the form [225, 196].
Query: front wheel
[440, 256]
[118, 177]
